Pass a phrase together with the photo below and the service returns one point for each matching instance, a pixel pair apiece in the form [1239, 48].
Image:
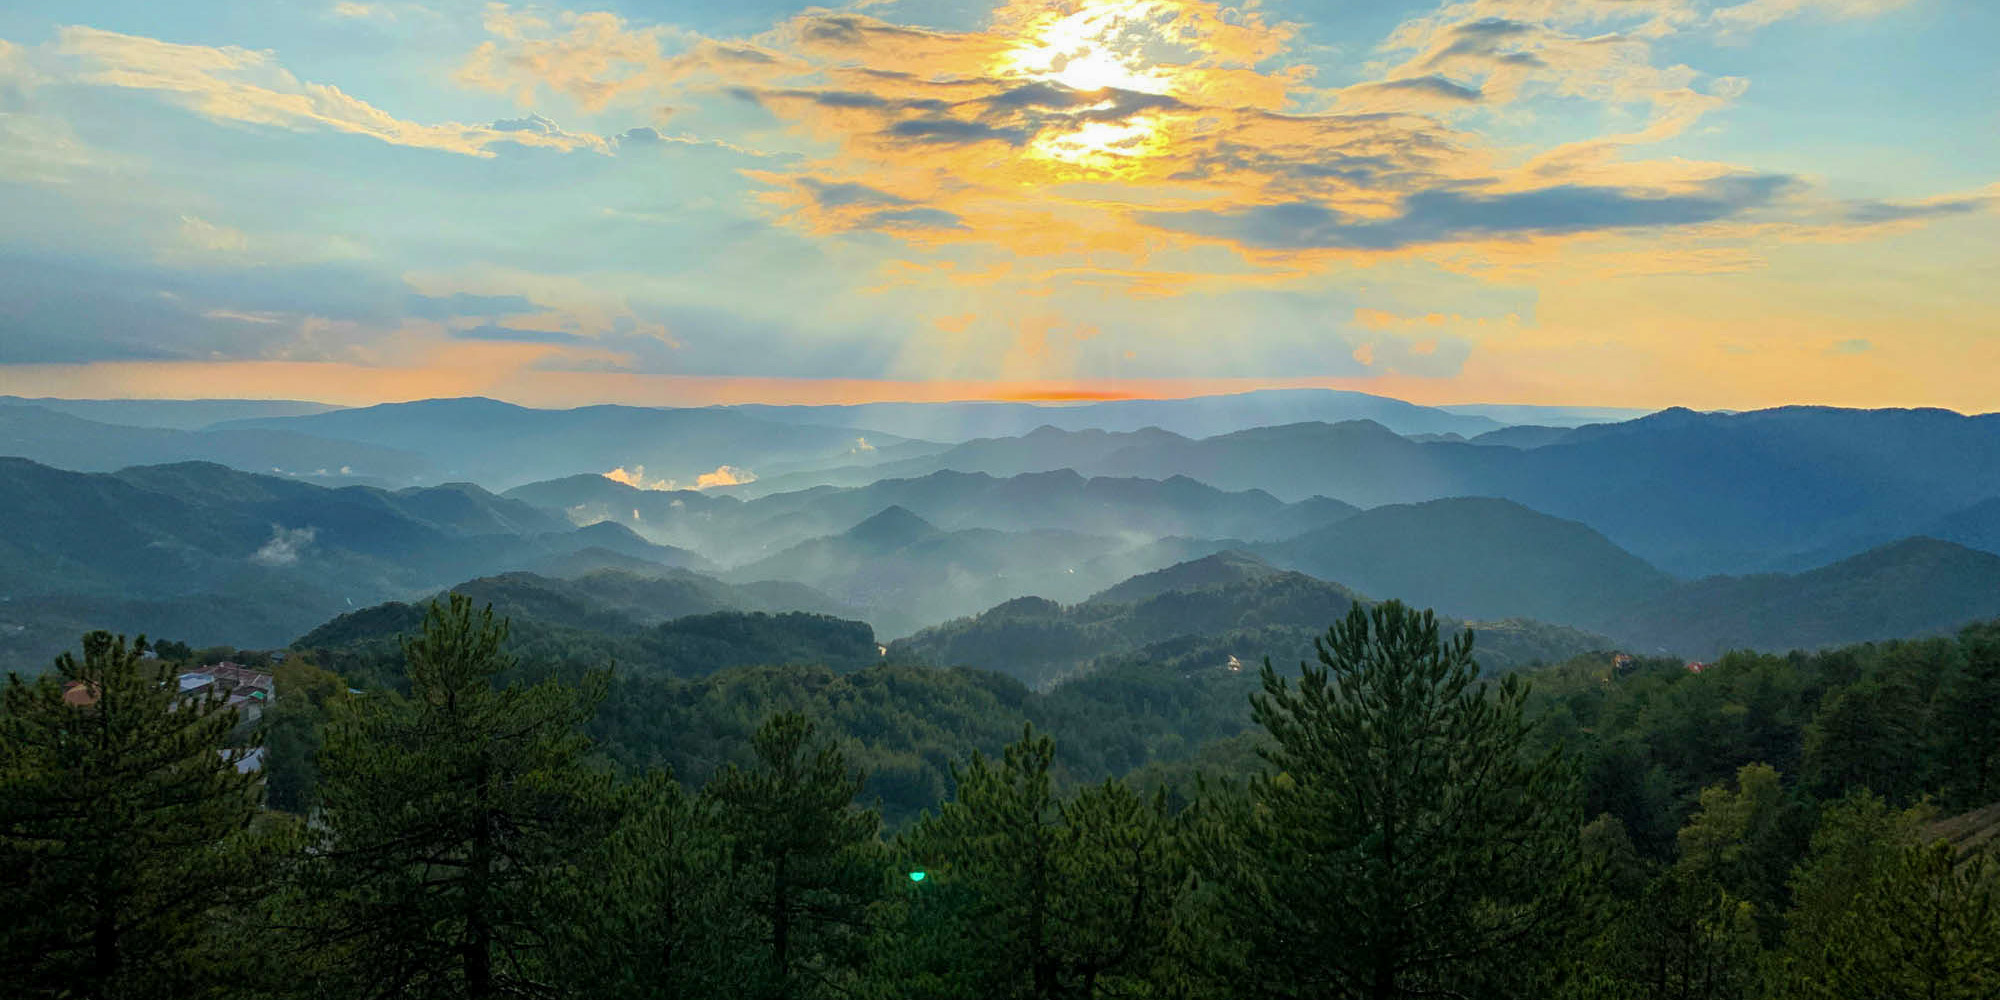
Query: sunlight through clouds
[1065, 194]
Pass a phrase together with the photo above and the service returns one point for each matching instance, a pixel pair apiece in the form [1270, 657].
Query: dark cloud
[852, 30]
[1482, 39]
[1870, 213]
[951, 130]
[743, 54]
[643, 135]
[849, 99]
[1442, 216]
[493, 332]
[829, 194]
[1433, 85]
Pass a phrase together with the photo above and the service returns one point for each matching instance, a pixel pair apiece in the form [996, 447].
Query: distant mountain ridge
[1199, 416]
[501, 445]
[83, 445]
[172, 414]
[1692, 493]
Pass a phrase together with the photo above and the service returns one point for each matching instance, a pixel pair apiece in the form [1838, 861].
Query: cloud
[1857, 345]
[1872, 213]
[841, 194]
[1130, 134]
[244, 85]
[362, 11]
[201, 234]
[285, 547]
[1761, 13]
[636, 478]
[599, 59]
[1434, 86]
[724, 475]
[952, 130]
[1446, 216]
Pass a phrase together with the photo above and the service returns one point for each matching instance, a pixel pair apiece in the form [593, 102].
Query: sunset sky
[1715, 203]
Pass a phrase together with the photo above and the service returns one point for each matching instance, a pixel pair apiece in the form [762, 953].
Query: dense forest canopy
[486, 815]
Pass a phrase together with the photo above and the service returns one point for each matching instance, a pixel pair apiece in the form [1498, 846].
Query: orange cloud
[1113, 136]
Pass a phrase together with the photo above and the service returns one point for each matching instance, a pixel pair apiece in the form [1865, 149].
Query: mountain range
[1693, 493]
[730, 530]
[207, 554]
[1200, 416]
[86, 445]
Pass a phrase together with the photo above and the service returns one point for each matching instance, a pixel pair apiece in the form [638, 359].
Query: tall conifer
[806, 857]
[447, 816]
[126, 830]
[1410, 845]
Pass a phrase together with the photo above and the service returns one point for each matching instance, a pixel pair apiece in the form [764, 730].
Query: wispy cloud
[245, 85]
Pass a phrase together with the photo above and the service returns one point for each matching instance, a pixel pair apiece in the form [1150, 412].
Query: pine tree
[655, 911]
[1409, 844]
[1879, 913]
[993, 849]
[806, 859]
[447, 817]
[126, 830]
[1968, 731]
[1030, 896]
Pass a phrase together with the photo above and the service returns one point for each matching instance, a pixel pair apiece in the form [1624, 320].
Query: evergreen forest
[1386, 821]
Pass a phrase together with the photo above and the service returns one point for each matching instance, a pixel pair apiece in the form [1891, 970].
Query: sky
[1711, 203]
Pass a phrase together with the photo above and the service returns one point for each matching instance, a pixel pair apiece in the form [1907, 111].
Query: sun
[1098, 45]
[1095, 45]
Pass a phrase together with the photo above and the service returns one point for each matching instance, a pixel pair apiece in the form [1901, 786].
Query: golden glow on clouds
[1071, 167]
[1093, 46]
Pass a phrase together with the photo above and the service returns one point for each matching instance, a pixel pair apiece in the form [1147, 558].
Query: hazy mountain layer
[72, 442]
[175, 414]
[1477, 557]
[208, 554]
[733, 531]
[1200, 416]
[500, 445]
[1691, 493]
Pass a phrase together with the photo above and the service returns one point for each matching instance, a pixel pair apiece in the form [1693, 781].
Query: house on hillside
[242, 688]
[79, 694]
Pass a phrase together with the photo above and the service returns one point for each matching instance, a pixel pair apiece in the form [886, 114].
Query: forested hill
[1915, 587]
[1230, 606]
[684, 625]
